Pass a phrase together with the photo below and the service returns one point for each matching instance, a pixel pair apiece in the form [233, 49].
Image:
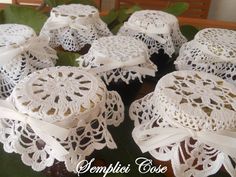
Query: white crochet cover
[117, 58]
[212, 51]
[157, 29]
[73, 26]
[21, 52]
[188, 120]
[65, 97]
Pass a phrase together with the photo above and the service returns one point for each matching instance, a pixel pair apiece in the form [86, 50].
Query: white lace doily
[188, 120]
[212, 51]
[73, 26]
[117, 58]
[21, 52]
[157, 29]
[65, 97]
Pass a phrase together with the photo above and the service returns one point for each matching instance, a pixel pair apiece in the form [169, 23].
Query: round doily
[212, 51]
[73, 26]
[118, 58]
[186, 110]
[157, 29]
[21, 53]
[65, 97]
[73, 93]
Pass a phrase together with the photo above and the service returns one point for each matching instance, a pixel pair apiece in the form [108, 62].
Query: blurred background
[218, 10]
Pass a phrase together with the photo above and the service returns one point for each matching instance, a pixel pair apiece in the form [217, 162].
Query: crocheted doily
[200, 106]
[73, 26]
[66, 97]
[212, 51]
[159, 30]
[117, 58]
[21, 53]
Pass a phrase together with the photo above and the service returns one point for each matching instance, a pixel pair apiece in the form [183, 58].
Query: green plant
[115, 18]
[23, 15]
[189, 31]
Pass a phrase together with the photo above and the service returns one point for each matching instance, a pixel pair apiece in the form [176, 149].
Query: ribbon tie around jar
[156, 137]
[59, 21]
[48, 132]
[150, 30]
[106, 64]
[34, 45]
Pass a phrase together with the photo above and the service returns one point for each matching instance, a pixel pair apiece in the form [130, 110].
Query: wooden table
[206, 23]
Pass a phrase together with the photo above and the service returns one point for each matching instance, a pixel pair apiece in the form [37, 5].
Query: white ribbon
[156, 137]
[46, 131]
[58, 21]
[150, 30]
[34, 45]
[108, 64]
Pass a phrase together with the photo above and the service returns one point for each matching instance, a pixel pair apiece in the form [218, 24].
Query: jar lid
[14, 34]
[75, 11]
[220, 43]
[144, 18]
[59, 113]
[212, 51]
[196, 100]
[58, 93]
[190, 117]
[159, 30]
[118, 52]
[73, 26]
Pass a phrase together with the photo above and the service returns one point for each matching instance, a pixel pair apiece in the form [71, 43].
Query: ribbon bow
[34, 45]
[156, 137]
[132, 64]
[151, 30]
[46, 131]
